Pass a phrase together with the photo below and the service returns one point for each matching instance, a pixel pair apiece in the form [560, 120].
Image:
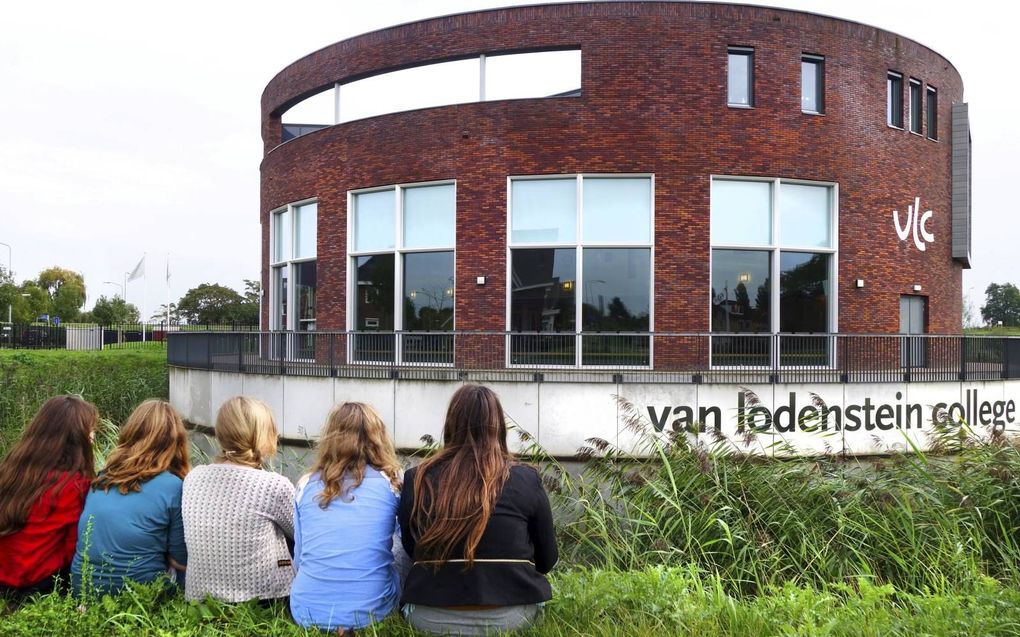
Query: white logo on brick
[915, 221]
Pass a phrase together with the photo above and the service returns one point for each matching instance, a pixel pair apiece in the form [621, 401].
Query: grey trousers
[443, 621]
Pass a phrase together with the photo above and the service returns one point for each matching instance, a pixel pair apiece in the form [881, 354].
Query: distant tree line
[60, 293]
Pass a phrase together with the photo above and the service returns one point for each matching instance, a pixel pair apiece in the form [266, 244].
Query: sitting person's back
[237, 516]
[478, 526]
[131, 528]
[344, 524]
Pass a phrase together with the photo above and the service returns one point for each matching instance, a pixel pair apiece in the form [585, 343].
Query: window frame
[748, 52]
[289, 264]
[919, 86]
[819, 62]
[931, 103]
[894, 78]
[579, 245]
[775, 248]
[398, 251]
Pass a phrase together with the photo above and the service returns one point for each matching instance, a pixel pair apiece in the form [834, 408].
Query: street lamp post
[10, 258]
[118, 285]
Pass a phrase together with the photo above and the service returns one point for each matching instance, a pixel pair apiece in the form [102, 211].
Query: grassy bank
[115, 380]
[653, 601]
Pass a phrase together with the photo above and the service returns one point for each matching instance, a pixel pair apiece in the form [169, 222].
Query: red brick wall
[654, 101]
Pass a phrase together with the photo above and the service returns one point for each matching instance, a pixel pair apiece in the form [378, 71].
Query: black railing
[95, 337]
[602, 357]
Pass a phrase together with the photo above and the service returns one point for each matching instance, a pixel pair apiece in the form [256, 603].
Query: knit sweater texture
[237, 522]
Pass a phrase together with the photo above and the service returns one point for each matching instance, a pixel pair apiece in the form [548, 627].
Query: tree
[210, 303]
[115, 311]
[1002, 305]
[66, 292]
[159, 316]
[247, 312]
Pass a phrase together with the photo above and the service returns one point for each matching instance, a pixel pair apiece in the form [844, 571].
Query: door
[913, 322]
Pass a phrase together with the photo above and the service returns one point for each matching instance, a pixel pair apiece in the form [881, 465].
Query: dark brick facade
[653, 101]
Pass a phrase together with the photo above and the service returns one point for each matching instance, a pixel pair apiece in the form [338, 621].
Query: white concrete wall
[563, 416]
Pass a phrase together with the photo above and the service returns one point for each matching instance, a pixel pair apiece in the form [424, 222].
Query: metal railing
[96, 337]
[602, 357]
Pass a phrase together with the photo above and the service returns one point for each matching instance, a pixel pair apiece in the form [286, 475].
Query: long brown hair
[153, 440]
[456, 490]
[56, 445]
[246, 431]
[354, 436]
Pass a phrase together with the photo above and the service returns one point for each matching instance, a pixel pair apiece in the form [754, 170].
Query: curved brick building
[719, 169]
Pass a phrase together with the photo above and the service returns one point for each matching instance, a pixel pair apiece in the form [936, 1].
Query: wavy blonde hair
[246, 431]
[153, 440]
[354, 436]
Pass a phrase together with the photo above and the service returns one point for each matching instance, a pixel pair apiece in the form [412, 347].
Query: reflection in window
[801, 258]
[741, 212]
[543, 211]
[612, 295]
[418, 261]
[894, 99]
[428, 291]
[812, 84]
[933, 113]
[616, 210]
[293, 281]
[740, 76]
[915, 106]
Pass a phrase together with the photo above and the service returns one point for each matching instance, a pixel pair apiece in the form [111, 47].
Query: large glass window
[894, 99]
[402, 263]
[915, 106]
[293, 241]
[581, 286]
[748, 261]
[740, 76]
[812, 84]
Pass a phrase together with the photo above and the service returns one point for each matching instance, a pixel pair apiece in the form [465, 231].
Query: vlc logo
[917, 221]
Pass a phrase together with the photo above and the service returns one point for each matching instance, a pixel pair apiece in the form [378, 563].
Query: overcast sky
[133, 127]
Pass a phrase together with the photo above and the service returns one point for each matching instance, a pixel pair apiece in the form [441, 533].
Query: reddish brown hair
[55, 446]
[456, 490]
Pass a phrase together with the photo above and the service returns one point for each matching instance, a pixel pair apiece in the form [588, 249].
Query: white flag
[138, 272]
[167, 268]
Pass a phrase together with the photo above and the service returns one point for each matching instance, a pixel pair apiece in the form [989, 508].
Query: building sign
[915, 224]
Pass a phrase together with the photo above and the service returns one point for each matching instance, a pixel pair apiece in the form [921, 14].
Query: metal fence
[602, 357]
[97, 337]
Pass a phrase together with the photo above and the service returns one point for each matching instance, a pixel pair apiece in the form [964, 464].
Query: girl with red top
[43, 481]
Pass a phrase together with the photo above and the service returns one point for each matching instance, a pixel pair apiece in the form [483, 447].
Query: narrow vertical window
[915, 106]
[933, 113]
[894, 100]
[812, 84]
[740, 74]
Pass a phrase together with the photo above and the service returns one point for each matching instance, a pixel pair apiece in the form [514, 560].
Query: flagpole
[144, 289]
[167, 295]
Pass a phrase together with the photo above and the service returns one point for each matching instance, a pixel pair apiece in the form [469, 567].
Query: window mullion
[579, 274]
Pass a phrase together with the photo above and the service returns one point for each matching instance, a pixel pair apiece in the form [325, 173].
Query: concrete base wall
[774, 420]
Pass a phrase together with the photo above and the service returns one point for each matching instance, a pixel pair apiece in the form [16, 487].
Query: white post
[336, 103]
[167, 295]
[481, 78]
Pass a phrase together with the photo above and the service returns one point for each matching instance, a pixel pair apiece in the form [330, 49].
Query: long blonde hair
[153, 440]
[246, 431]
[354, 436]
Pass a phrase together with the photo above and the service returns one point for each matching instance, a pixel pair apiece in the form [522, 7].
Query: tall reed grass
[923, 522]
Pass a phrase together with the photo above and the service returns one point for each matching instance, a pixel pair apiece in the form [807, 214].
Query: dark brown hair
[153, 440]
[55, 446]
[456, 490]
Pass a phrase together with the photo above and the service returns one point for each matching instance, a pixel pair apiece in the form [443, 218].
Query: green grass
[115, 380]
[992, 331]
[652, 601]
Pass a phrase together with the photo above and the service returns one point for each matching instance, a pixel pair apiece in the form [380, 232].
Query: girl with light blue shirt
[344, 523]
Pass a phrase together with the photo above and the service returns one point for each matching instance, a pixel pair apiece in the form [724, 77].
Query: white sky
[133, 127]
